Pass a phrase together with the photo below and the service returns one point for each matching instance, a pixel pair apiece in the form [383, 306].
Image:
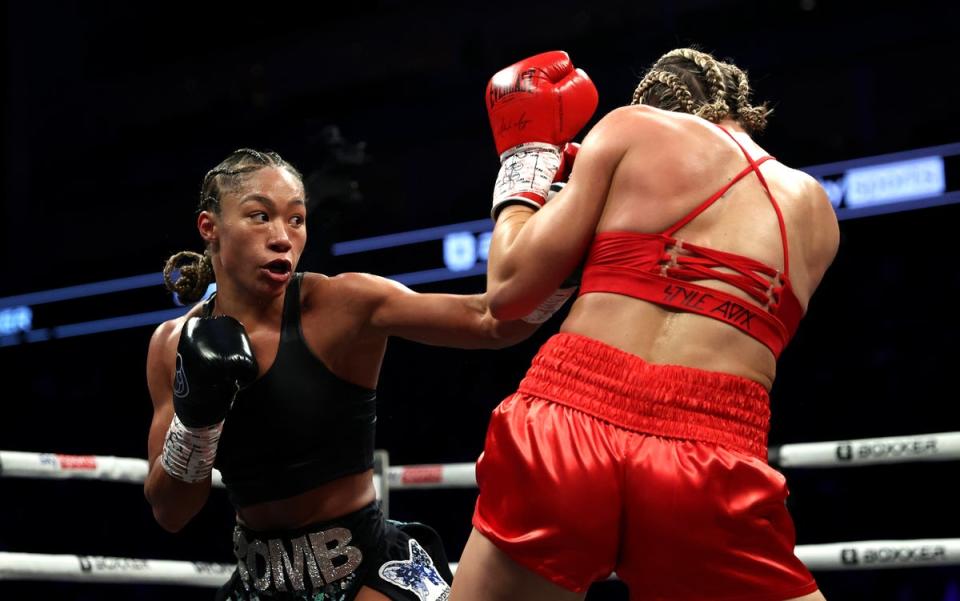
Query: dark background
[113, 113]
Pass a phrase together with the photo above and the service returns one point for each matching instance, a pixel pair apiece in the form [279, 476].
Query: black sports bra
[296, 427]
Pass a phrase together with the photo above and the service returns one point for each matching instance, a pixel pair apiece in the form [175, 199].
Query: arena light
[890, 183]
[83, 290]
[405, 238]
[97, 326]
[895, 182]
[429, 276]
[15, 319]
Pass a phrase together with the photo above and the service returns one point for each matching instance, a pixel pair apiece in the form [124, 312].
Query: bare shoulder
[812, 206]
[813, 188]
[353, 287]
[649, 132]
[161, 358]
[313, 283]
[622, 130]
[167, 334]
[161, 353]
[812, 194]
[637, 118]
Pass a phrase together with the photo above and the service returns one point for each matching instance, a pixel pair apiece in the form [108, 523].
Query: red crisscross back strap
[663, 269]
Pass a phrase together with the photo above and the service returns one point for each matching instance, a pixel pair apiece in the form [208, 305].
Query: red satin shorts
[602, 462]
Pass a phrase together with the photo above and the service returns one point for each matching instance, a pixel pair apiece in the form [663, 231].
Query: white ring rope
[450, 475]
[943, 446]
[93, 568]
[53, 466]
[832, 556]
[48, 466]
[857, 555]
[874, 554]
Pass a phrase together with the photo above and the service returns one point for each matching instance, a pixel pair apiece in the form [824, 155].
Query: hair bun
[194, 273]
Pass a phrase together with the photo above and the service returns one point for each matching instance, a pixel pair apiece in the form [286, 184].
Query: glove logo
[503, 84]
[180, 386]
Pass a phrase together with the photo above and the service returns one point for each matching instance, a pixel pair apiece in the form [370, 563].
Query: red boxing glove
[535, 106]
[539, 99]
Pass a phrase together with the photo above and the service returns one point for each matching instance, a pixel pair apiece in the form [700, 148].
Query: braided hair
[686, 80]
[188, 273]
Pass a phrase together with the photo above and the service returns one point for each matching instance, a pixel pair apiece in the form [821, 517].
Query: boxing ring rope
[17, 464]
[855, 555]
[117, 570]
[943, 446]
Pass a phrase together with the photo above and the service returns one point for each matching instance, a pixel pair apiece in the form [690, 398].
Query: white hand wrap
[188, 453]
[550, 306]
[526, 172]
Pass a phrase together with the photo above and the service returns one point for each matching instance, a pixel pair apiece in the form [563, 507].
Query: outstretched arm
[453, 320]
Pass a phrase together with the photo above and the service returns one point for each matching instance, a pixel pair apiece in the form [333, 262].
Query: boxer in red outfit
[637, 441]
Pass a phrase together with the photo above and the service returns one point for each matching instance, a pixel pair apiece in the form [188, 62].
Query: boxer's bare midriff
[323, 503]
[666, 336]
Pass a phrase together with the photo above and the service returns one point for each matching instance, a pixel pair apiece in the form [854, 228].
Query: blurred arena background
[114, 111]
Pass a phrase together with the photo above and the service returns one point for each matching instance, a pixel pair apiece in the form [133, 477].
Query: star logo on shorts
[417, 574]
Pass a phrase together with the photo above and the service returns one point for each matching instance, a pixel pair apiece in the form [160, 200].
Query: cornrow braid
[229, 173]
[195, 274]
[753, 118]
[700, 85]
[679, 91]
[717, 108]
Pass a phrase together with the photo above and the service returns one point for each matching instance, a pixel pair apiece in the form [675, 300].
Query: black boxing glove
[214, 361]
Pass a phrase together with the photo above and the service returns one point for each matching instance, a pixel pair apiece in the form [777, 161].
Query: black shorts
[333, 560]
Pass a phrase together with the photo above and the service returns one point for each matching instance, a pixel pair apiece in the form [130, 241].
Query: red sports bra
[662, 269]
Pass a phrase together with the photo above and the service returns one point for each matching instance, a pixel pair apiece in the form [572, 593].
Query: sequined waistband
[663, 400]
[319, 558]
